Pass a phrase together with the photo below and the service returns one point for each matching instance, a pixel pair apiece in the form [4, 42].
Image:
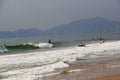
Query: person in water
[49, 41]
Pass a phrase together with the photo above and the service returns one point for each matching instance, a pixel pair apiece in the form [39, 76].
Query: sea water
[55, 38]
[59, 42]
[31, 65]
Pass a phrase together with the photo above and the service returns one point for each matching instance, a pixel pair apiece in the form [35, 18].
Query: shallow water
[32, 64]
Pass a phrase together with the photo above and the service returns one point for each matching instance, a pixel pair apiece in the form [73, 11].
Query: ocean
[59, 42]
[33, 64]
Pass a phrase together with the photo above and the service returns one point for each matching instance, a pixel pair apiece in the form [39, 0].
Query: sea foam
[30, 66]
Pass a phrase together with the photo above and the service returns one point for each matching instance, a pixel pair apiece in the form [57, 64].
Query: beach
[107, 69]
[91, 62]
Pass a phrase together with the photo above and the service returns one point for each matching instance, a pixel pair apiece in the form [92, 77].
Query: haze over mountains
[83, 26]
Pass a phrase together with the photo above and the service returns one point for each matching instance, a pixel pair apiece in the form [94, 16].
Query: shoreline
[77, 63]
[87, 70]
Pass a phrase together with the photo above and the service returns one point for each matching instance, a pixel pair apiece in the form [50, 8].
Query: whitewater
[31, 66]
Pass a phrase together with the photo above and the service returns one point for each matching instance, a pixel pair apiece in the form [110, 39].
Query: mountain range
[83, 26]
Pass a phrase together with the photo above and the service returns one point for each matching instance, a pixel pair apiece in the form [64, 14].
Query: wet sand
[108, 77]
[95, 69]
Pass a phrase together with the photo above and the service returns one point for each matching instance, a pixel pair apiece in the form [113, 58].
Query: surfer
[49, 41]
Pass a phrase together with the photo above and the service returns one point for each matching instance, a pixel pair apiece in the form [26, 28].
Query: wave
[32, 65]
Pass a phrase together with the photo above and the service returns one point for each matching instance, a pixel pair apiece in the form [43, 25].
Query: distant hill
[83, 26]
[87, 26]
[21, 33]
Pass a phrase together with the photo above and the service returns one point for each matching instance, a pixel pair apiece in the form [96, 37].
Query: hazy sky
[45, 14]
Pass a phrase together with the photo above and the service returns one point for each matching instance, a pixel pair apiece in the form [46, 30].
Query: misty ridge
[83, 26]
